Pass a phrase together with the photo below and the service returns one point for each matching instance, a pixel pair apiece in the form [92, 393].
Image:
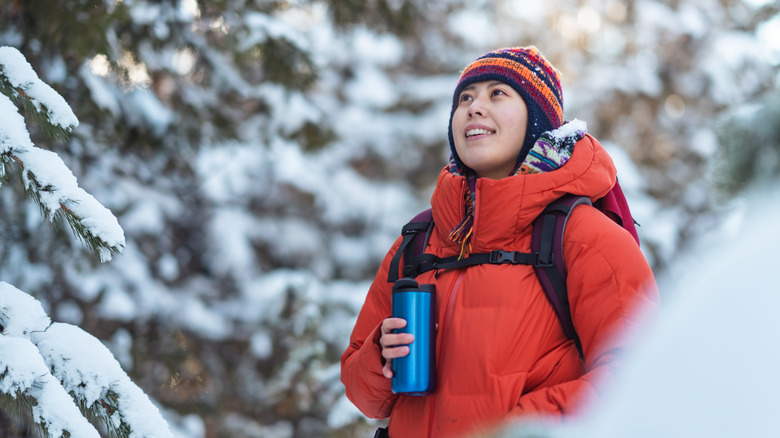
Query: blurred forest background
[262, 156]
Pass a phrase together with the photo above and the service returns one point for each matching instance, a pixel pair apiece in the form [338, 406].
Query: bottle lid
[410, 284]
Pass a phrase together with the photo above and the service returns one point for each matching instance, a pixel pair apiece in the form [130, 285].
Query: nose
[476, 108]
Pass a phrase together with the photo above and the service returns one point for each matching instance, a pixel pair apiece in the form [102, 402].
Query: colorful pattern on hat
[528, 73]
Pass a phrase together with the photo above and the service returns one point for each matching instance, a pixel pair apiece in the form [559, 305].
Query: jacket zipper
[445, 323]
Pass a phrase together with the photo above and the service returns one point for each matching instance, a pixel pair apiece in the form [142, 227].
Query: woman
[500, 351]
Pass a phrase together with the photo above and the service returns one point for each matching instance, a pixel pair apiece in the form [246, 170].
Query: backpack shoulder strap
[415, 238]
[547, 242]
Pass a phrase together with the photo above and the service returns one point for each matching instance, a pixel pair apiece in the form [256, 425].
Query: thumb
[387, 369]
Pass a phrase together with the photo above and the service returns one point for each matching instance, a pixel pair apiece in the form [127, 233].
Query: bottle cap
[410, 284]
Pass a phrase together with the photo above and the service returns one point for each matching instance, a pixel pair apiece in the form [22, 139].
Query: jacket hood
[504, 208]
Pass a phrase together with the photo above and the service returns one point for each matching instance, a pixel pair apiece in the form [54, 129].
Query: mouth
[479, 131]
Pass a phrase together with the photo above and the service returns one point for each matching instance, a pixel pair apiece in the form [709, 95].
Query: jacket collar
[504, 209]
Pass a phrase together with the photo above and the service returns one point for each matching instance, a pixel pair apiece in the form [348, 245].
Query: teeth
[472, 132]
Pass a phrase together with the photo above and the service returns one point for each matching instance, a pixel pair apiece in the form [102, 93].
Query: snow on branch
[89, 372]
[18, 80]
[25, 378]
[45, 176]
[41, 363]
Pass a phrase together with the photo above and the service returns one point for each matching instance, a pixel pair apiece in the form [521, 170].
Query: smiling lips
[474, 131]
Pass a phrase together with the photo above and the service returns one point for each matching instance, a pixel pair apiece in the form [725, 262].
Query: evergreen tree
[41, 363]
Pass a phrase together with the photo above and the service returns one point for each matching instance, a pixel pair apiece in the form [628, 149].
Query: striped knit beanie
[535, 79]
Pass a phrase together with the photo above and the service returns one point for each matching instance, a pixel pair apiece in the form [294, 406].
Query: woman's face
[488, 128]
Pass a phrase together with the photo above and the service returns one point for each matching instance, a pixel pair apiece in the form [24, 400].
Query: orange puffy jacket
[500, 349]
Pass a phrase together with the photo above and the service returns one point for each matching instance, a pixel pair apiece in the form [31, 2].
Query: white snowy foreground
[709, 366]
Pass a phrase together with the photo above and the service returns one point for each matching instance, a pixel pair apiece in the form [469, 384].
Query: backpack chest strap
[427, 262]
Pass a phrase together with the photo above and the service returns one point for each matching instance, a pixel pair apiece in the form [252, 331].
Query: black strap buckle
[545, 263]
[499, 256]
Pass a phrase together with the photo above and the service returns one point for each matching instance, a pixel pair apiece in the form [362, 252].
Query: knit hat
[528, 73]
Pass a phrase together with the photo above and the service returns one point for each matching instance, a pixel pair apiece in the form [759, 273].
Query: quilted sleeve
[361, 363]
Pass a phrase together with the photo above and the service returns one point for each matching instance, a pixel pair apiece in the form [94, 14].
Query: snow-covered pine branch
[27, 387]
[19, 81]
[89, 372]
[40, 362]
[45, 176]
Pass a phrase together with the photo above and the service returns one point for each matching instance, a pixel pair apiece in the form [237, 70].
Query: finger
[389, 324]
[391, 340]
[392, 353]
[387, 370]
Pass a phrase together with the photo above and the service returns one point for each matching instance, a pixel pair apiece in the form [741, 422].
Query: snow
[186, 426]
[49, 361]
[147, 107]
[372, 87]
[69, 348]
[232, 230]
[692, 20]
[189, 9]
[521, 9]
[25, 374]
[707, 365]
[769, 33]
[118, 304]
[343, 413]
[261, 345]
[23, 368]
[13, 133]
[477, 28]
[201, 318]
[568, 129]
[20, 314]
[121, 345]
[718, 327]
[376, 49]
[44, 172]
[262, 27]
[21, 76]
[100, 93]
[231, 171]
[726, 54]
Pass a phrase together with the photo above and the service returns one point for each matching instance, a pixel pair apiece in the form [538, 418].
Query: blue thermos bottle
[415, 374]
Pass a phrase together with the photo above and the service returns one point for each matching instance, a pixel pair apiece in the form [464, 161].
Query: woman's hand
[393, 345]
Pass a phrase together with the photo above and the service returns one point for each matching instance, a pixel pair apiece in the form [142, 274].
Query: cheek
[458, 120]
[458, 125]
[518, 124]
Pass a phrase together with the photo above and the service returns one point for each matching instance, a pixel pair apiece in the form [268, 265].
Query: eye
[464, 97]
[498, 92]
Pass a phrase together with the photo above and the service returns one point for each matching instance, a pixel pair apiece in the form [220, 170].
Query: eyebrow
[492, 83]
